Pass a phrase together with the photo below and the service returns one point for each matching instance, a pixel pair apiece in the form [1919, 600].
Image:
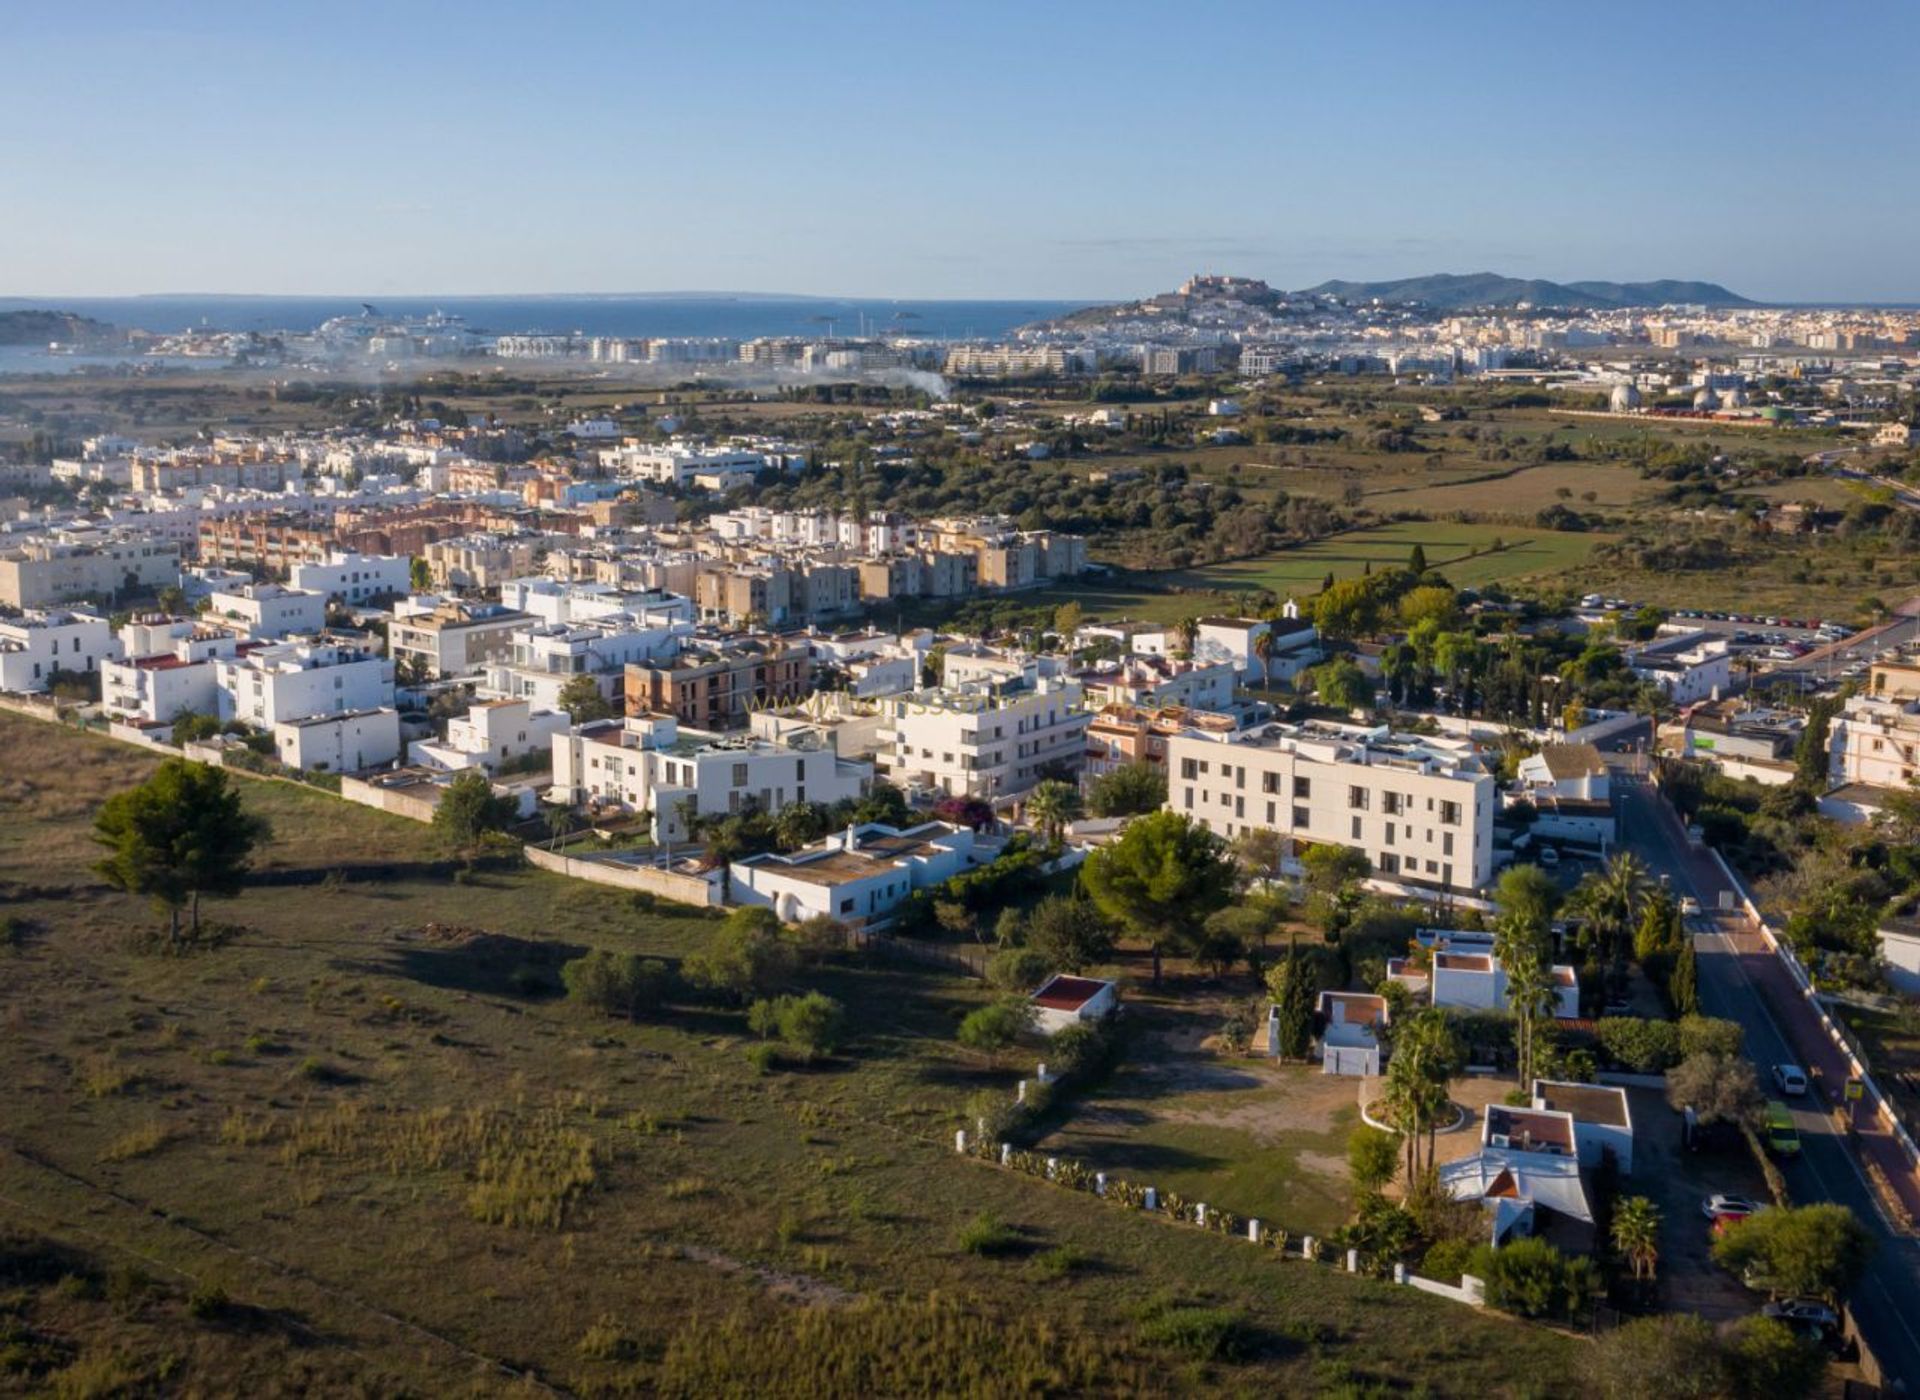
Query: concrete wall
[668, 884]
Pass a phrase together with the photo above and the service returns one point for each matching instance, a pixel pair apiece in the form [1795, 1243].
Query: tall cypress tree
[1296, 1005]
[1683, 987]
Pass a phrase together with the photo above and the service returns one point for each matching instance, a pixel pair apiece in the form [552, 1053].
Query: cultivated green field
[1465, 553]
[366, 1147]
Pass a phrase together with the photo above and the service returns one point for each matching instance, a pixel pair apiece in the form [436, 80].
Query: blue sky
[906, 149]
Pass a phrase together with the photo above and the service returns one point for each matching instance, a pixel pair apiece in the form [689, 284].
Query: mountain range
[1450, 291]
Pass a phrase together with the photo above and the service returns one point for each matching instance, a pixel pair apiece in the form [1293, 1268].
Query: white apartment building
[491, 734]
[985, 740]
[43, 573]
[1294, 644]
[268, 685]
[558, 601]
[546, 657]
[1420, 808]
[339, 743]
[266, 611]
[1154, 682]
[168, 667]
[451, 638]
[858, 876]
[678, 463]
[653, 765]
[36, 644]
[355, 579]
[204, 580]
[1875, 740]
[1688, 667]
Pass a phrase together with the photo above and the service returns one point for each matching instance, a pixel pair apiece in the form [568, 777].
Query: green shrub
[814, 1024]
[1642, 1046]
[208, 1300]
[1532, 1278]
[986, 1236]
[1447, 1260]
[764, 1057]
[1205, 1334]
[1708, 1035]
[616, 984]
[745, 958]
[1059, 1262]
[1018, 969]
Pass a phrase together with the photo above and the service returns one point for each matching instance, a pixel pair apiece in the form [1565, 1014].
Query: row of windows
[1301, 820]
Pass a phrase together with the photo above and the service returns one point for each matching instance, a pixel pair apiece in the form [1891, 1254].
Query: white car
[1689, 906]
[1723, 1203]
[1791, 1079]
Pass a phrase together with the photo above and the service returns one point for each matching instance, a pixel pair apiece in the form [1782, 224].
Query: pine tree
[1684, 985]
[1417, 561]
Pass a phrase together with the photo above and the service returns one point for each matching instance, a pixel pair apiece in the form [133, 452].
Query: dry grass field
[365, 1147]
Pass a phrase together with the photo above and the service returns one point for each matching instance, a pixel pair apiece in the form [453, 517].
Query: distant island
[46, 327]
[1455, 291]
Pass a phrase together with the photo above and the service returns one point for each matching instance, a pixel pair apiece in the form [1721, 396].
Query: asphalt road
[1886, 1303]
[1828, 663]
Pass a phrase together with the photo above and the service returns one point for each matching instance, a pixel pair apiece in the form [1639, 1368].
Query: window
[1446, 843]
[1270, 814]
[1390, 803]
[1189, 799]
[1450, 813]
[1189, 769]
[1270, 782]
[1389, 832]
[1239, 806]
[739, 775]
[846, 906]
[1302, 787]
[1389, 863]
[1357, 798]
[1356, 828]
[1300, 816]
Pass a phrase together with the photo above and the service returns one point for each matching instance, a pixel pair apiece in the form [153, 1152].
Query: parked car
[1790, 1079]
[1783, 1138]
[1725, 1203]
[1689, 906]
[1797, 1312]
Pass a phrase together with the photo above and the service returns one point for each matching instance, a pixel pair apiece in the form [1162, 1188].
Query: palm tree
[1636, 1234]
[559, 823]
[1520, 945]
[1186, 631]
[1051, 806]
[1609, 903]
[1263, 650]
[1426, 1056]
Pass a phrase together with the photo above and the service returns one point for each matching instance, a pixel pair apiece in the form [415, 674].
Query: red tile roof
[1063, 993]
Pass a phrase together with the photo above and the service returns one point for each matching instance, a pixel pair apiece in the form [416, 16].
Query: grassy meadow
[1469, 555]
[364, 1146]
